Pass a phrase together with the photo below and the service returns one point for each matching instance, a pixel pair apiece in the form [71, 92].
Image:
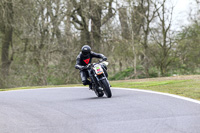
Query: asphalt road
[78, 110]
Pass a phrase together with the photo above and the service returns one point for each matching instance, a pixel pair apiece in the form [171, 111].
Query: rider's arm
[97, 55]
[78, 66]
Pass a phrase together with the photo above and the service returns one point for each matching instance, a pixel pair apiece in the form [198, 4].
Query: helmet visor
[86, 52]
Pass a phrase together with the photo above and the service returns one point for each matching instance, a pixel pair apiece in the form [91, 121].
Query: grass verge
[188, 88]
[37, 87]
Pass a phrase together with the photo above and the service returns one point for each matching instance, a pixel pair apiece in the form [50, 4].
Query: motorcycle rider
[83, 59]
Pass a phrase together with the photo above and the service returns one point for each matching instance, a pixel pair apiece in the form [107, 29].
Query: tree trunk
[96, 12]
[85, 37]
[146, 62]
[123, 17]
[120, 65]
[7, 38]
[6, 42]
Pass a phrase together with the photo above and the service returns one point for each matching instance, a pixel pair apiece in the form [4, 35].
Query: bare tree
[94, 14]
[163, 37]
[137, 21]
[6, 28]
[123, 17]
[149, 11]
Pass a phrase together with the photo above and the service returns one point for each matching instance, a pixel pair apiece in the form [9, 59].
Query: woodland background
[40, 39]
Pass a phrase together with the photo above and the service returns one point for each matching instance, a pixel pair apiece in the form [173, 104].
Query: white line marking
[149, 91]
[129, 89]
[161, 93]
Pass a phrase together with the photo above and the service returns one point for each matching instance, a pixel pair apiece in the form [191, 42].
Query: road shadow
[100, 98]
[94, 98]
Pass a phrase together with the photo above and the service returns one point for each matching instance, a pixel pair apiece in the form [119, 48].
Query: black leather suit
[82, 61]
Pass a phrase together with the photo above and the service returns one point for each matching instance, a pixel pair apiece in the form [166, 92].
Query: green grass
[37, 87]
[187, 88]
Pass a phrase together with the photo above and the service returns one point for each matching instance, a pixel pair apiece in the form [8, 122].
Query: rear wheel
[106, 88]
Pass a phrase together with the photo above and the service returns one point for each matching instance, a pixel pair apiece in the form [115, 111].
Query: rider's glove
[104, 58]
[83, 67]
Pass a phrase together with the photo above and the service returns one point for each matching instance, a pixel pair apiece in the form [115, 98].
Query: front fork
[102, 78]
[94, 79]
[97, 79]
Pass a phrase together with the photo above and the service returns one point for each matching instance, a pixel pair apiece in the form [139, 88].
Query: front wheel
[99, 93]
[106, 88]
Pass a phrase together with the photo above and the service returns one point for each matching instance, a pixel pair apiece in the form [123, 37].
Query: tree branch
[76, 26]
[110, 13]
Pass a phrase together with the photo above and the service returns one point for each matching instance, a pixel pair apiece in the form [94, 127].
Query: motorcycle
[98, 77]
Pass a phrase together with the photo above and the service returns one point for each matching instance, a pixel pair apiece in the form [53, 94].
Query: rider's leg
[85, 81]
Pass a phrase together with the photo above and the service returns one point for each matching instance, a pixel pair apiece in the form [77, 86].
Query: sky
[181, 12]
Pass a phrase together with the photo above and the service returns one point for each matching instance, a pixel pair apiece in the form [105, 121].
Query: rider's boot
[90, 86]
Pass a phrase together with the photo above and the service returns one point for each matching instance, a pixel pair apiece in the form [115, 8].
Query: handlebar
[91, 64]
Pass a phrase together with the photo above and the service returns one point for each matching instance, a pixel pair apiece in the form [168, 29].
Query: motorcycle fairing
[98, 69]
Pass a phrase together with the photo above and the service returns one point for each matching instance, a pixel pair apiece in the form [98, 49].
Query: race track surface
[78, 110]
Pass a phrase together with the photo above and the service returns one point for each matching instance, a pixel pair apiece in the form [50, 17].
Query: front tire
[106, 88]
[99, 93]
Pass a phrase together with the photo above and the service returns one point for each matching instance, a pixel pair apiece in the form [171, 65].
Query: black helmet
[86, 50]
